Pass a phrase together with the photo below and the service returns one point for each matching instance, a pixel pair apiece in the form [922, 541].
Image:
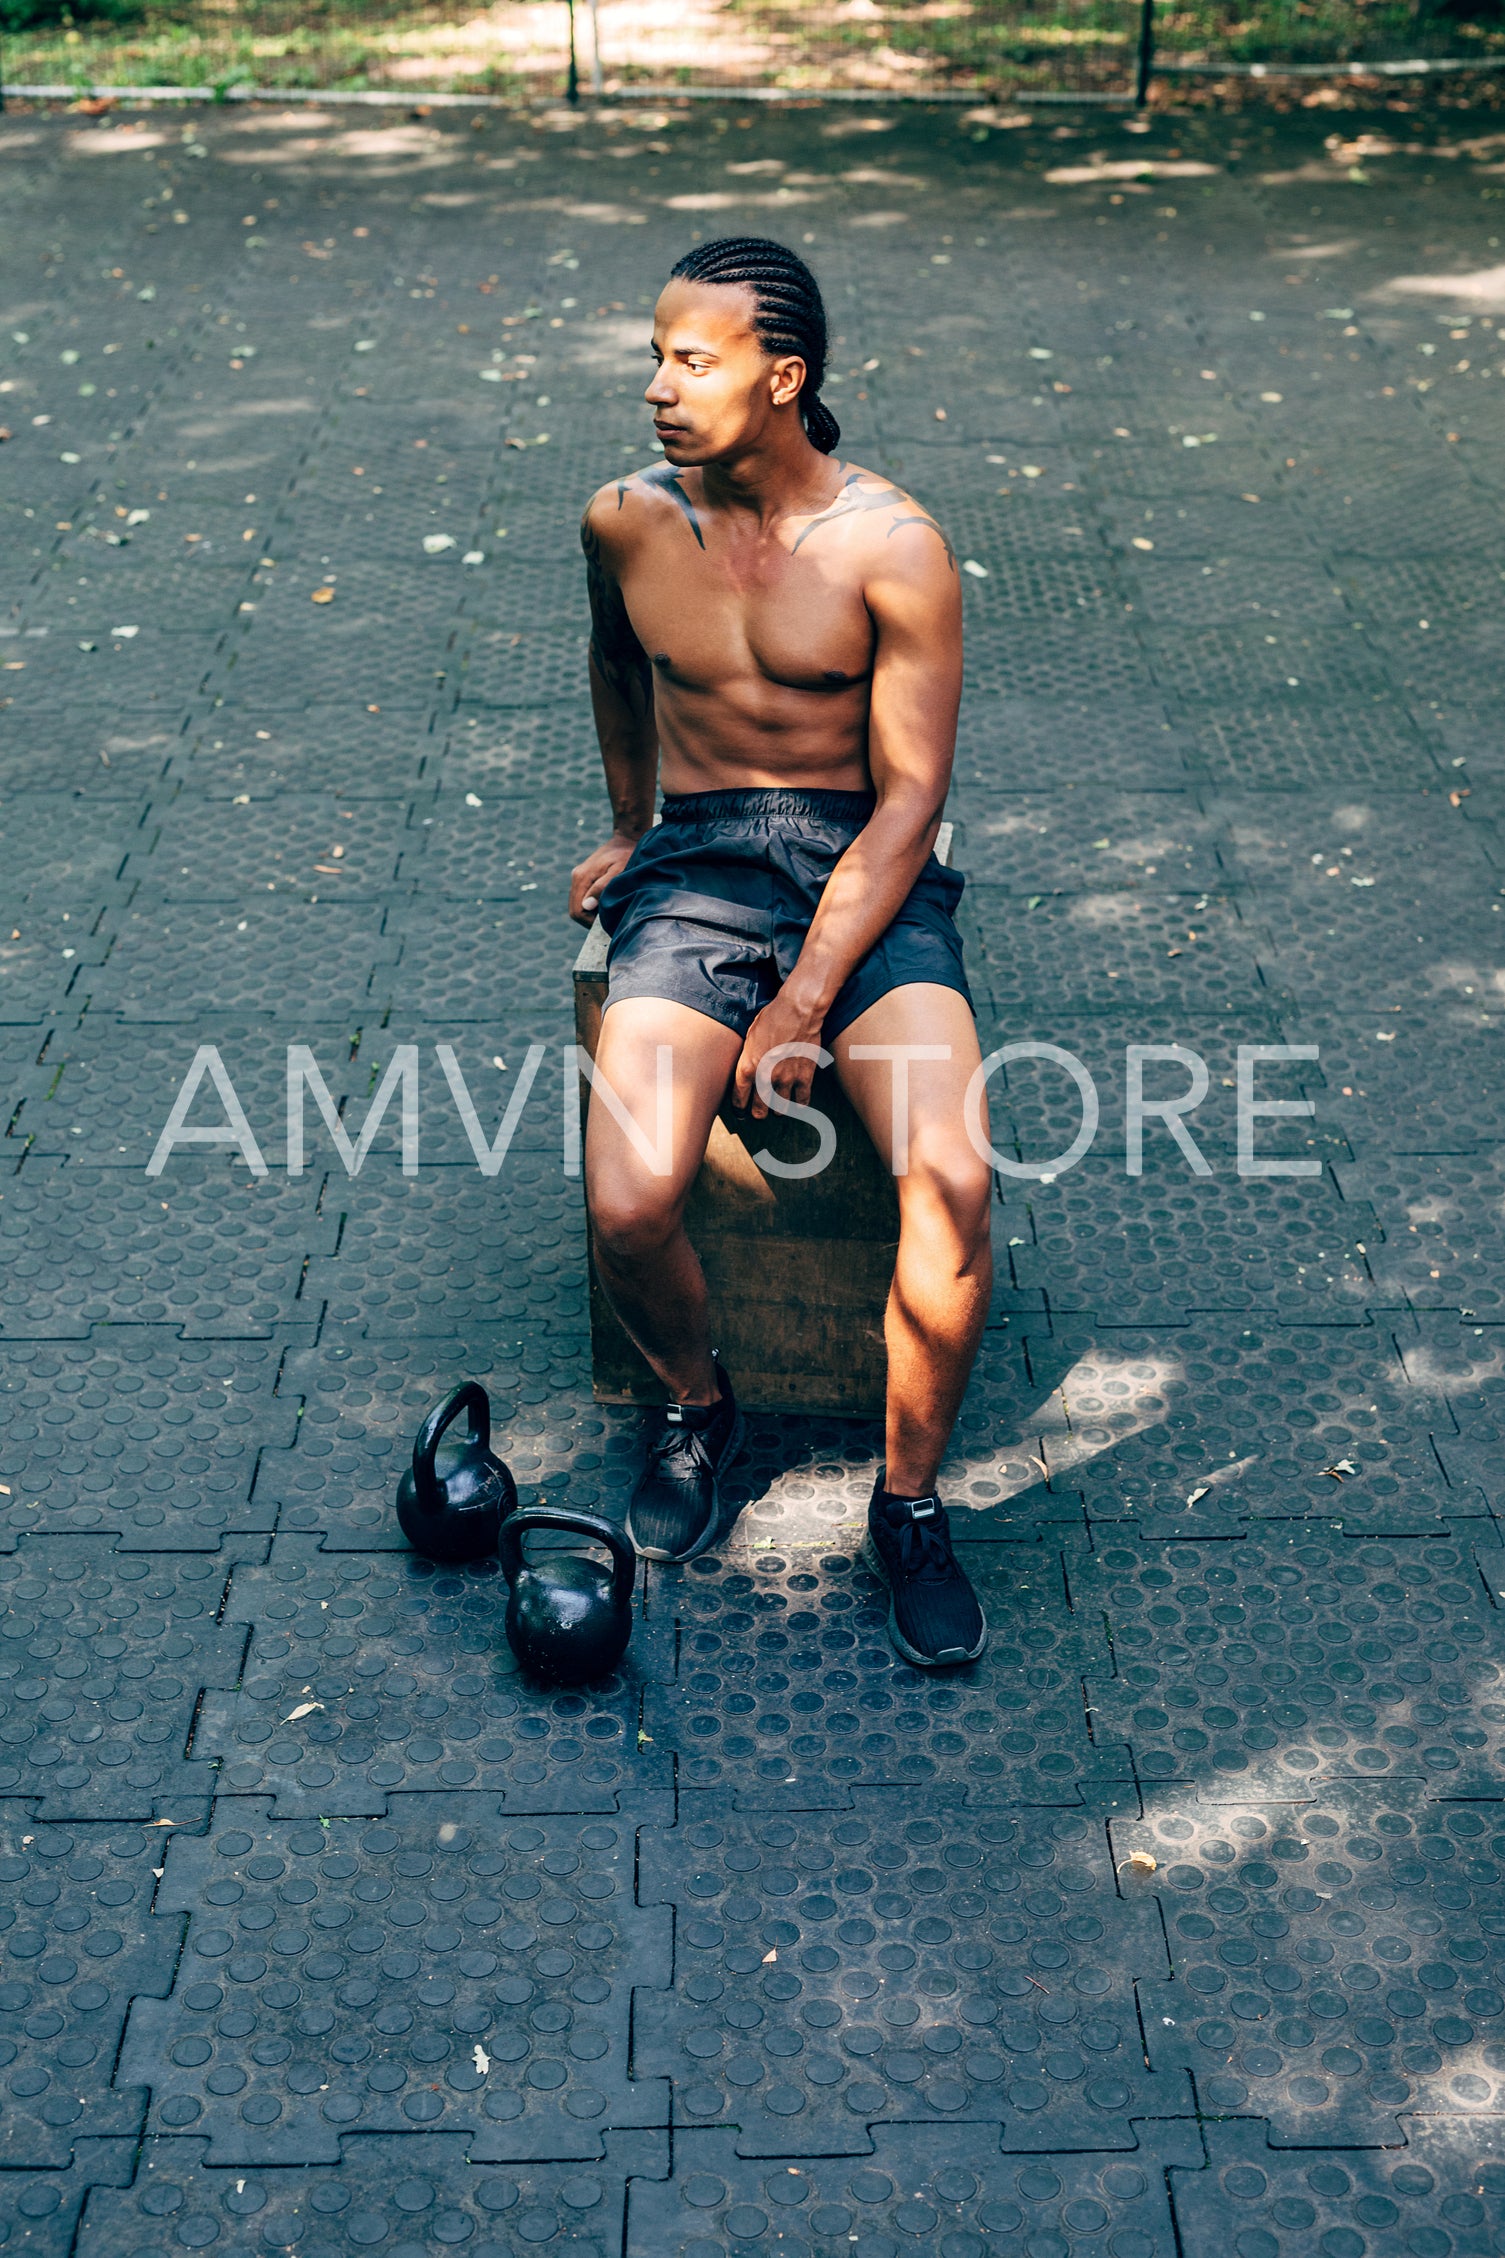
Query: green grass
[989, 44]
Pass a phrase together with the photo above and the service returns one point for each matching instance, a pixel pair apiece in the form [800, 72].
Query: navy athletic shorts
[713, 908]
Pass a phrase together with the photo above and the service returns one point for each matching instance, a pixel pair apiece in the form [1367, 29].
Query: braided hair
[789, 314]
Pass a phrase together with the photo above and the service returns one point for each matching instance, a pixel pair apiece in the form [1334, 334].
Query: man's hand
[589, 879]
[785, 1020]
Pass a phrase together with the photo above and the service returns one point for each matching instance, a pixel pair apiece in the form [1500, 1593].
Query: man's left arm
[914, 598]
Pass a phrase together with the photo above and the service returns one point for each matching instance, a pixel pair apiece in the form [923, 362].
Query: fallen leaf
[323, 595]
[435, 544]
[770, 1957]
[482, 2059]
[978, 571]
[1140, 1862]
[1201, 1490]
[304, 1709]
[472, 800]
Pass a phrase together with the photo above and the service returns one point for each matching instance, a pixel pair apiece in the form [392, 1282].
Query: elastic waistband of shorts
[846, 811]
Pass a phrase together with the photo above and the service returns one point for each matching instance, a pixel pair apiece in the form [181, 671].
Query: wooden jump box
[798, 1267]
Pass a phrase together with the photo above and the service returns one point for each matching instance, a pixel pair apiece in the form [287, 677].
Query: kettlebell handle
[469, 1396]
[624, 1565]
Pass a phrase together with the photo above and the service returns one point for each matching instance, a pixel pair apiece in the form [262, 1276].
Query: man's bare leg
[938, 1303]
[650, 1271]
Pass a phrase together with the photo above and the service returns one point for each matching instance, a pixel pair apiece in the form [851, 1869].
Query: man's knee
[631, 1223]
[948, 1188]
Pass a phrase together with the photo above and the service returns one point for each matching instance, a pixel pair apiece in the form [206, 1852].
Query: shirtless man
[779, 633]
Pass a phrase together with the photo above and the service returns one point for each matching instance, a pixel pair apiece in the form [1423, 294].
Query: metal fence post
[598, 76]
[1146, 54]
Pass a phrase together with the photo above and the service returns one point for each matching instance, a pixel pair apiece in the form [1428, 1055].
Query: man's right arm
[621, 682]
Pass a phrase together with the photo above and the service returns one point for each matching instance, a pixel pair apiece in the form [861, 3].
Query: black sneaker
[676, 1506]
[933, 1618]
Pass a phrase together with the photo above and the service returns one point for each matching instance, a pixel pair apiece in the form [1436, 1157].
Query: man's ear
[786, 380]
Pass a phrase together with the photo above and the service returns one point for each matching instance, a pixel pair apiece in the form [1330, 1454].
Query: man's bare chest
[711, 614]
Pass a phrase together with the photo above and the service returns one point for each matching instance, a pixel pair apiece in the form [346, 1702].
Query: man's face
[715, 388]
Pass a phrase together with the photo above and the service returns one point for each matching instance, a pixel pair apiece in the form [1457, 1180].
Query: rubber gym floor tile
[1255, 662]
[363, 1401]
[1027, 844]
[1443, 1248]
[1280, 748]
[39, 2211]
[454, 1242]
[305, 960]
[507, 959]
[1232, 589]
[152, 674]
[110, 760]
[418, 2189]
[1334, 1962]
[208, 1248]
[343, 750]
[103, 1657]
[1114, 952]
[141, 1434]
[1245, 1423]
[1027, 585]
[1385, 951]
[201, 850]
[1149, 1249]
[1398, 1089]
[1442, 2195]
[1032, 744]
[540, 750]
[498, 850]
[951, 2191]
[787, 1679]
[330, 1970]
[1276, 1662]
[68, 853]
[1040, 1101]
[1316, 842]
[49, 959]
[1055, 659]
[105, 1089]
[366, 1674]
[1209, 525]
[904, 1929]
[507, 667]
[360, 661]
[79, 1942]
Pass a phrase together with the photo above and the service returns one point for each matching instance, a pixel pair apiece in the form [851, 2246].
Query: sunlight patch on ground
[1484, 287]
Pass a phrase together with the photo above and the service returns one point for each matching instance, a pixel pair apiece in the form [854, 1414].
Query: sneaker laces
[923, 1547]
[678, 1440]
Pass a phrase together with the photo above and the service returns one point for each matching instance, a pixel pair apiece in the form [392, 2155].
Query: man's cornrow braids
[790, 313]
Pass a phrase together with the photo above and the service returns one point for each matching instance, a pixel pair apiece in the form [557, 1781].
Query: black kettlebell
[454, 1509]
[568, 1618]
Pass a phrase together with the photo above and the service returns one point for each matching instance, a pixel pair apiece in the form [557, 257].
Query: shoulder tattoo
[902, 510]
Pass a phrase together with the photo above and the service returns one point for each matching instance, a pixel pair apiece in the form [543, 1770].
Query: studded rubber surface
[1169, 1928]
[423, 1972]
